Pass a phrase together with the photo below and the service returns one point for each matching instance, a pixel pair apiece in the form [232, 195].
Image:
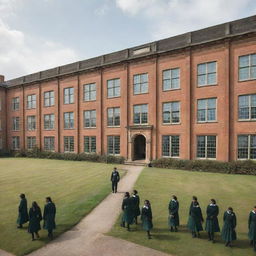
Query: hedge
[37, 153]
[235, 167]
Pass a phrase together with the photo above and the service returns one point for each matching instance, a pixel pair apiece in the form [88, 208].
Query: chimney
[1, 79]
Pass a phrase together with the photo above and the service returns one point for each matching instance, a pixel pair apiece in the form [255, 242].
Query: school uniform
[23, 212]
[252, 228]
[146, 218]
[115, 177]
[228, 232]
[128, 216]
[49, 218]
[212, 223]
[195, 220]
[136, 205]
[173, 219]
[35, 216]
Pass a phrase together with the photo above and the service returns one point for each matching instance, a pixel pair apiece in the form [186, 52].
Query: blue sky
[40, 34]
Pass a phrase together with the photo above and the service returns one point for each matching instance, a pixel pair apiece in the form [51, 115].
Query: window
[89, 92]
[114, 116]
[206, 110]
[15, 142]
[140, 83]
[206, 147]
[247, 67]
[113, 88]
[247, 107]
[49, 121]
[206, 74]
[90, 119]
[246, 146]
[171, 79]
[140, 114]
[31, 142]
[49, 99]
[16, 103]
[113, 145]
[31, 101]
[69, 144]
[171, 146]
[31, 123]
[69, 120]
[49, 144]
[15, 123]
[89, 144]
[171, 112]
[69, 95]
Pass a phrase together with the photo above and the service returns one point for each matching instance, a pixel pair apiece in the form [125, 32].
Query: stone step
[136, 163]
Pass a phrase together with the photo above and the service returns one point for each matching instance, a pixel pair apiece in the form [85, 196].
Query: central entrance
[139, 145]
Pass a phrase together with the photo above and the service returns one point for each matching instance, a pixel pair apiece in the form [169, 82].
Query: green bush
[234, 167]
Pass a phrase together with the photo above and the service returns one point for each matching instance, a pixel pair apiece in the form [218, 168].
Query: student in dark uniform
[212, 223]
[146, 218]
[228, 232]
[115, 177]
[23, 211]
[173, 219]
[195, 219]
[127, 207]
[252, 228]
[136, 205]
[35, 216]
[49, 216]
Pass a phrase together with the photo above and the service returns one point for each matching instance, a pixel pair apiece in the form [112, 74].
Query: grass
[75, 187]
[158, 185]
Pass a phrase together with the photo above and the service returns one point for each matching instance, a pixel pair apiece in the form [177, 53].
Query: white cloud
[171, 17]
[21, 53]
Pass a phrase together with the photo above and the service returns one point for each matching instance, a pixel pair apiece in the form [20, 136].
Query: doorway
[139, 145]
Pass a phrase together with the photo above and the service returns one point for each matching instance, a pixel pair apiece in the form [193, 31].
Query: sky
[40, 34]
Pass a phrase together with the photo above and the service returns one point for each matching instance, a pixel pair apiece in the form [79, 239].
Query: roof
[202, 36]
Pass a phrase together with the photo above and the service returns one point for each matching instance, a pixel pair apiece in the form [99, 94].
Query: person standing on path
[173, 219]
[35, 216]
[115, 177]
[252, 228]
[136, 205]
[212, 223]
[228, 232]
[23, 211]
[49, 216]
[127, 207]
[146, 218]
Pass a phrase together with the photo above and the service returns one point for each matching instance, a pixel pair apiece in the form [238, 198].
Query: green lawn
[158, 185]
[75, 187]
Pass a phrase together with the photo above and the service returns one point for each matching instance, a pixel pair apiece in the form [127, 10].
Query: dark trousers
[114, 186]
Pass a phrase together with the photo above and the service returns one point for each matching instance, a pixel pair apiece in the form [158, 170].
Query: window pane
[201, 69]
[242, 147]
[202, 80]
[201, 115]
[201, 146]
[244, 61]
[211, 146]
[167, 74]
[166, 145]
[201, 104]
[175, 147]
[211, 78]
[244, 73]
[175, 83]
[253, 72]
[211, 67]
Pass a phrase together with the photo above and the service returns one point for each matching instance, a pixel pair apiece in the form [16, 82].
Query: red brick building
[189, 96]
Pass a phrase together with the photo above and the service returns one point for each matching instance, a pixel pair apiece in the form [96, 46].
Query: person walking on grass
[228, 233]
[146, 218]
[212, 223]
[115, 177]
[127, 207]
[195, 219]
[136, 205]
[173, 218]
[23, 211]
[252, 228]
[49, 216]
[35, 216]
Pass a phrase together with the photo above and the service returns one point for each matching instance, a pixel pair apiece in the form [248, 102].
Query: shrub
[234, 167]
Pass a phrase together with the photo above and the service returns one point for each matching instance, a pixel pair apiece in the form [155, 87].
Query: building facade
[191, 96]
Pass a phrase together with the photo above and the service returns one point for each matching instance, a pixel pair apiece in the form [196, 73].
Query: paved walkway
[88, 239]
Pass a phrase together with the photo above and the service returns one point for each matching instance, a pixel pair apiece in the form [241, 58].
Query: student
[127, 207]
[136, 205]
[49, 216]
[146, 217]
[252, 227]
[195, 219]
[35, 216]
[23, 211]
[212, 223]
[174, 220]
[228, 232]
[115, 177]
